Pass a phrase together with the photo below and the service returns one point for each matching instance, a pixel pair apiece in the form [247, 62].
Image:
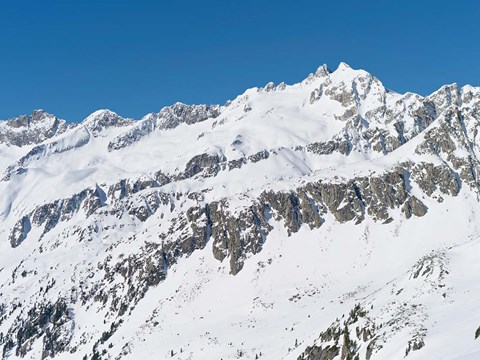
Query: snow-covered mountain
[329, 219]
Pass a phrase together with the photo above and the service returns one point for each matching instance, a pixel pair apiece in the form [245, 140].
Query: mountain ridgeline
[333, 214]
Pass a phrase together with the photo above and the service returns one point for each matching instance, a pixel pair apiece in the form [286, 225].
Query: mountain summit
[329, 219]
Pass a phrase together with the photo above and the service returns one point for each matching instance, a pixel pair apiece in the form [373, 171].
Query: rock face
[203, 162]
[342, 341]
[97, 217]
[49, 215]
[172, 116]
[20, 231]
[413, 206]
[327, 148]
[32, 129]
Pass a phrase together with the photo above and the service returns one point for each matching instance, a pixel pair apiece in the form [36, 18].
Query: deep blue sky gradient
[136, 56]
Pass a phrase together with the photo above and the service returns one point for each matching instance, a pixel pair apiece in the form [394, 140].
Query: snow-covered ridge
[168, 118]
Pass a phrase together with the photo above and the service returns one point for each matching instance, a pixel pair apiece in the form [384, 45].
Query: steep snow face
[333, 214]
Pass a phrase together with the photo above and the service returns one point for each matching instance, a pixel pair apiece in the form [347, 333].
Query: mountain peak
[37, 116]
[323, 70]
[102, 113]
[343, 66]
[104, 118]
[31, 129]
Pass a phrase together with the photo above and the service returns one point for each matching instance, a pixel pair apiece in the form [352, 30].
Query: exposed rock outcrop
[32, 129]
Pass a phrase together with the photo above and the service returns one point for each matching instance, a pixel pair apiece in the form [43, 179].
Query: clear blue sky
[136, 56]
